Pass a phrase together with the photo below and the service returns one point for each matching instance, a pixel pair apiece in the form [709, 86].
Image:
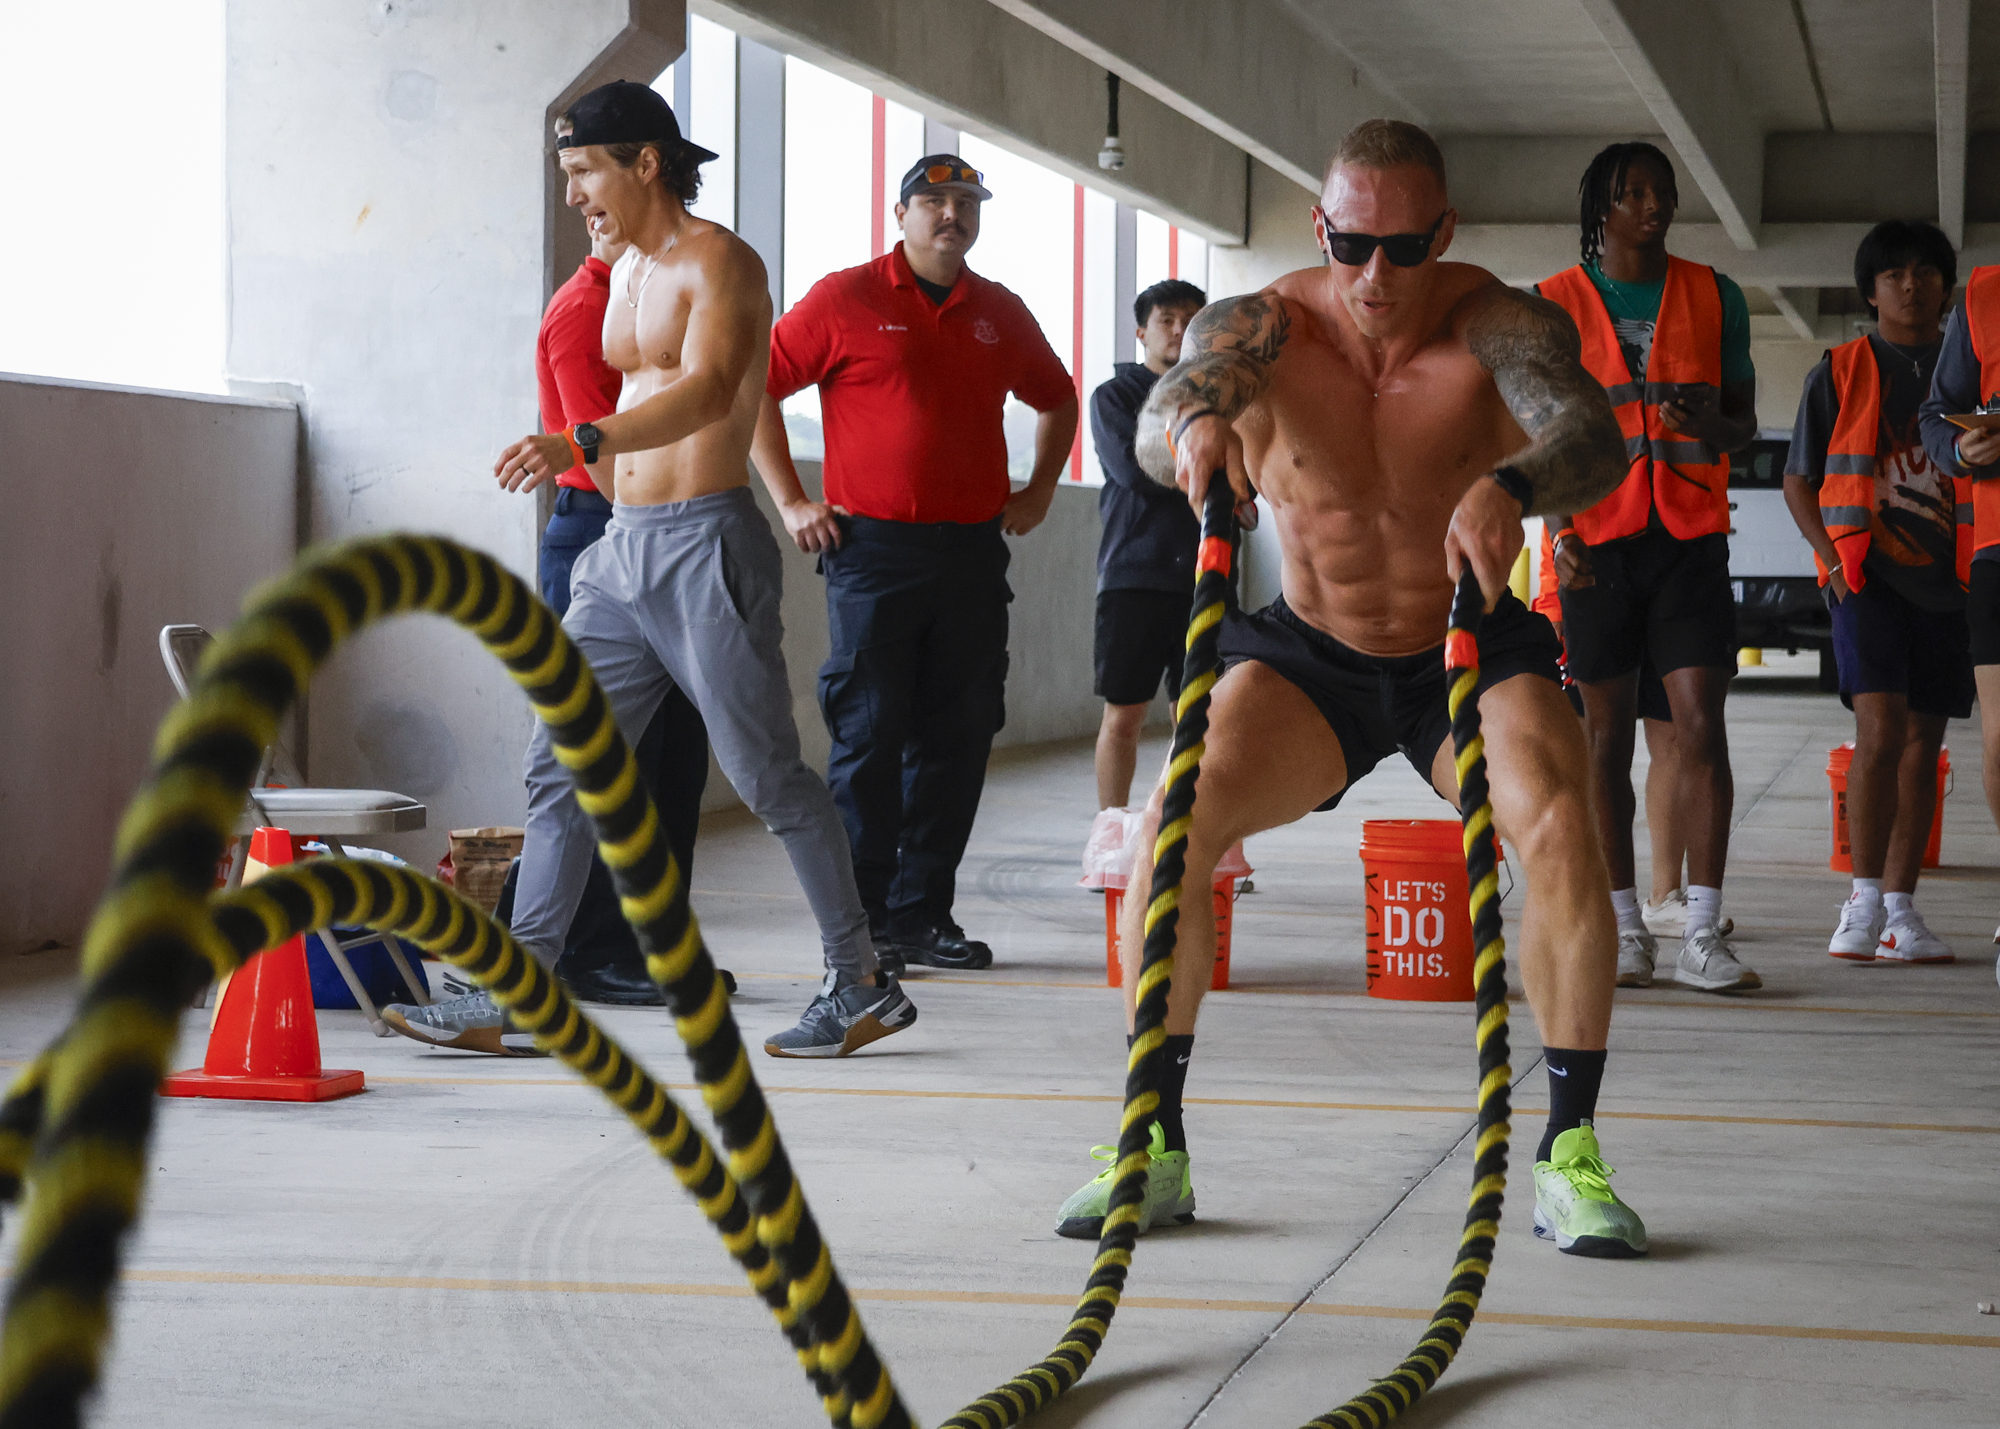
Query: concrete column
[760, 159]
[1125, 285]
[395, 222]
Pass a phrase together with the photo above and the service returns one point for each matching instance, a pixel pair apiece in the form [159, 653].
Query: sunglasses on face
[1405, 250]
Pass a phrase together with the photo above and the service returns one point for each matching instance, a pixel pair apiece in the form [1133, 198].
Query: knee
[1557, 831]
[1124, 721]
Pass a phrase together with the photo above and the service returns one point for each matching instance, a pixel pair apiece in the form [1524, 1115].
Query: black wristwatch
[587, 437]
[1515, 485]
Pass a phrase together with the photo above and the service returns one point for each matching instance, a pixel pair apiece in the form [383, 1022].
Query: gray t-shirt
[1912, 540]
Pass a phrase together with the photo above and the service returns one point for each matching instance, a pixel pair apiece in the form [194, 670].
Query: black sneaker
[943, 945]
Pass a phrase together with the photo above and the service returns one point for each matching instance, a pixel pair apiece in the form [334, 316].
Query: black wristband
[1516, 485]
[1180, 427]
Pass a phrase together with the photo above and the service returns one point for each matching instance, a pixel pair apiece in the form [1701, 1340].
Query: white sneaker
[1905, 939]
[1668, 918]
[1861, 923]
[1636, 952]
[1709, 964]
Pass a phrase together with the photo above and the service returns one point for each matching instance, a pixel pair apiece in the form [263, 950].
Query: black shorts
[1982, 612]
[1657, 600]
[1378, 706]
[1884, 644]
[1141, 638]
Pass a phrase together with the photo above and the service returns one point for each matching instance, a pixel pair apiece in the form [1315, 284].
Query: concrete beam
[1951, 32]
[1677, 58]
[1799, 307]
[979, 69]
[1245, 69]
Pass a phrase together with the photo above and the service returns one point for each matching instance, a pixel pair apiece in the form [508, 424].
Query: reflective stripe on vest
[1686, 481]
[1982, 324]
[1847, 495]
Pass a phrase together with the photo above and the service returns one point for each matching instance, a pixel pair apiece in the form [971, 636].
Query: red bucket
[1419, 927]
[1838, 761]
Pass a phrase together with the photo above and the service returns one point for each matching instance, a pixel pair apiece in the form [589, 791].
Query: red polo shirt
[573, 380]
[912, 392]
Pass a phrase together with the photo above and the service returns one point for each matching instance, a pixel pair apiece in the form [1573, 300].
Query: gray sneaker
[1636, 952]
[849, 1017]
[470, 1022]
[1708, 964]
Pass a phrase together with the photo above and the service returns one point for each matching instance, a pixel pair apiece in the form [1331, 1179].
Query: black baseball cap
[626, 112]
[944, 171]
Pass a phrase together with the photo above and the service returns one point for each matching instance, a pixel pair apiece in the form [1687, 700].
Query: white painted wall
[127, 510]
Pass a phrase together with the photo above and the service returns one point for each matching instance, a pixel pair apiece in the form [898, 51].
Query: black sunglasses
[1405, 250]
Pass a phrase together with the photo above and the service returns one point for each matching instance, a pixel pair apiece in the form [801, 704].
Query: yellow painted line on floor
[1002, 1297]
[1406, 1108]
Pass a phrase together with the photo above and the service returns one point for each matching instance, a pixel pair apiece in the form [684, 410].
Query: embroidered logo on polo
[891, 327]
[985, 331]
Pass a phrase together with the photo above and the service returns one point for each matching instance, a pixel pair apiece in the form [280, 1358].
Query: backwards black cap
[626, 112]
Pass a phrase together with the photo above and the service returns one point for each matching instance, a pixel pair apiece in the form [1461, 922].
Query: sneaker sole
[1635, 980]
[1594, 1247]
[1749, 982]
[1911, 962]
[1092, 1227]
[1866, 957]
[976, 963]
[480, 1039]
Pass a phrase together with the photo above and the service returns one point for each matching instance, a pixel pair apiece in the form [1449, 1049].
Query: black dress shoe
[623, 986]
[619, 984]
[941, 946]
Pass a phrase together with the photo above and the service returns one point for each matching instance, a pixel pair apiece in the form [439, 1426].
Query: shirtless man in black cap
[683, 588]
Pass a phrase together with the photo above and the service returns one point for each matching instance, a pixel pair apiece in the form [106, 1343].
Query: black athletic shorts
[1655, 598]
[1982, 610]
[1378, 706]
[1883, 643]
[1141, 638]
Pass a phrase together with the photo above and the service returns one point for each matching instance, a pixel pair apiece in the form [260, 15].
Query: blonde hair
[1387, 144]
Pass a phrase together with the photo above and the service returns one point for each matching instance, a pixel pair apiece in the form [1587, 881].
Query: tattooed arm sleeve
[1575, 455]
[1225, 362]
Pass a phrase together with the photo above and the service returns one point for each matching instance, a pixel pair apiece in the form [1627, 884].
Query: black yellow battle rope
[73, 1130]
[74, 1125]
[1404, 1385]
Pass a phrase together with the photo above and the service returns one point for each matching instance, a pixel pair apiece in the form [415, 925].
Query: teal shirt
[1635, 309]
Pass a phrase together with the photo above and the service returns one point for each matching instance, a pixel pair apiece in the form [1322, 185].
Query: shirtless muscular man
[683, 588]
[1400, 416]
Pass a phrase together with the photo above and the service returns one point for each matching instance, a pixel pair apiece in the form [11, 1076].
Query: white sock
[1868, 888]
[1625, 903]
[1704, 908]
[1899, 904]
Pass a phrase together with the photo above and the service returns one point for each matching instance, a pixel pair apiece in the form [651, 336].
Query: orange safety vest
[1847, 495]
[1686, 481]
[1982, 324]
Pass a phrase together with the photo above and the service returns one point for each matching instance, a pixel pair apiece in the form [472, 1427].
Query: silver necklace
[1916, 367]
[632, 298]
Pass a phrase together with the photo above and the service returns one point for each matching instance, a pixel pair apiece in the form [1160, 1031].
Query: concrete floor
[456, 1247]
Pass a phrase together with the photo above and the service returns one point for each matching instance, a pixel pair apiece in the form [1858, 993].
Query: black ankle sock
[1573, 1081]
[1173, 1082]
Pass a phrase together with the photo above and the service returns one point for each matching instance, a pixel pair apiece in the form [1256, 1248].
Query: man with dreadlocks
[1644, 573]
[1399, 416]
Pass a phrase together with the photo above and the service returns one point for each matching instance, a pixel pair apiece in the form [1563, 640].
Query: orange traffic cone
[264, 1044]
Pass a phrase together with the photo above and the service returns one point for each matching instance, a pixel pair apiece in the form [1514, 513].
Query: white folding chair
[325, 814]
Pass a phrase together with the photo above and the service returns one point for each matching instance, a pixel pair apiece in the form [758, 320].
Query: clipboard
[1974, 421]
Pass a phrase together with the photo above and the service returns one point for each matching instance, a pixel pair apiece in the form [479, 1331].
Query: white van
[1771, 571]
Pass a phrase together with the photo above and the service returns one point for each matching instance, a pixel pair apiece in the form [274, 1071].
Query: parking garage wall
[126, 510]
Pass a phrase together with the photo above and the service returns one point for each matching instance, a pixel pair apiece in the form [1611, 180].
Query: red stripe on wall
[1076, 338]
[878, 181]
[1173, 251]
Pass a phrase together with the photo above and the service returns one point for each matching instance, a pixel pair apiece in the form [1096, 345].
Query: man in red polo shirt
[914, 355]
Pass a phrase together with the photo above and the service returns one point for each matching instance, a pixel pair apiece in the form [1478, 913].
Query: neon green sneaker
[1575, 1206]
[1169, 1193]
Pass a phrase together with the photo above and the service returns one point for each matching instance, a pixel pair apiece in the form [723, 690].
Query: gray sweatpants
[686, 594]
